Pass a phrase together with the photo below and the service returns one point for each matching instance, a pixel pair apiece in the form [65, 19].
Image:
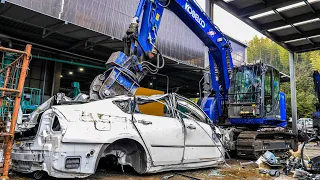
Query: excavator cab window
[271, 91]
[276, 86]
[245, 85]
[268, 91]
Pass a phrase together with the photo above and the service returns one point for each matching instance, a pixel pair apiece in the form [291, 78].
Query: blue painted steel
[151, 18]
[119, 75]
[128, 72]
[139, 9]
[257, 121]
[197, 20]
[120, 60]
[125, 71]
[316, 115]
[150, 11]
[316, 81]
[283, 111]
[212, 108]
[271, 121]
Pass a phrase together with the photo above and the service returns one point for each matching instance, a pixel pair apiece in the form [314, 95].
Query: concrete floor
[234, 172]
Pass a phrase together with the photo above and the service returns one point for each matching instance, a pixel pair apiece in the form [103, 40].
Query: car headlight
[72, 163]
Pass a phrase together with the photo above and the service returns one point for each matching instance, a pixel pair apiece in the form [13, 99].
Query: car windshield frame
[206, 117]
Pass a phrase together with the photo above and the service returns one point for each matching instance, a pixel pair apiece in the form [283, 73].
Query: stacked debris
[296, 164]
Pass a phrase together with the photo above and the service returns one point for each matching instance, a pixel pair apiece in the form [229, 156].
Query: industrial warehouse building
[73, 39]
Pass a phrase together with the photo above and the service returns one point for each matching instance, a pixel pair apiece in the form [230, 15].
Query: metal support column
[44, 81]
[56, 78]
[293, 93]
[209, 10]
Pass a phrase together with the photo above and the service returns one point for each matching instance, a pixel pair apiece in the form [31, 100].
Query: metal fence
[12, 78]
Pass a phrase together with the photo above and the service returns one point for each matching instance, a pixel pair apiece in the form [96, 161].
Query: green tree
[315, 60]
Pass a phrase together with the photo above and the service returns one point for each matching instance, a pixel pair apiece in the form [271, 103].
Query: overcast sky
[231, 25]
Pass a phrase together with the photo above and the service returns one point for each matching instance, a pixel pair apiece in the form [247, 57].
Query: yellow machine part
[155, 108]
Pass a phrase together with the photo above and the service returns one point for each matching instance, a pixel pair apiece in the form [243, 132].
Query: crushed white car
[68, 139]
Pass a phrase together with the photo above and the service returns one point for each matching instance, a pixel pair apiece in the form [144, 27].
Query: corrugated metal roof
[268, 16]
[45, 31]
[244, 3]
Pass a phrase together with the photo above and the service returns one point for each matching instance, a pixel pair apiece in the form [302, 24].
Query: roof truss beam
[233, 10]
[264, 1]
[310, 6]
[296, 28]
[305, 34]
[305, 48]
[83, 42]
[7, 9]
[291, 20]
[99, 43]
[78, 44]
[32, 17]
[53, 30]
[265, 6]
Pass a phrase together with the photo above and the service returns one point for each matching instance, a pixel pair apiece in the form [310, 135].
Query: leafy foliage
[266, 51]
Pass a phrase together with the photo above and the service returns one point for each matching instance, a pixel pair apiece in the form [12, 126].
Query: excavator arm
[126, 69]
[192, 15]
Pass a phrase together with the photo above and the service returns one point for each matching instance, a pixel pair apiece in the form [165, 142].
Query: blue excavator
[316, 115]
[246, 101]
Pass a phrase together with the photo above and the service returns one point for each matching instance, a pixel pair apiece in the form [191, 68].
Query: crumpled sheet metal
[31, 120]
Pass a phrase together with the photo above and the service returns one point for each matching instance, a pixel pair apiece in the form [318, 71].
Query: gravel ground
[225, 173]
[234, 172]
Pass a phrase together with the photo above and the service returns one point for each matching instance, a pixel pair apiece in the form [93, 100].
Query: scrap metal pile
[295, 164]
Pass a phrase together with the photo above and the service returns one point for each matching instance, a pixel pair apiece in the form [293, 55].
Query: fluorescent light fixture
[313, 1]
[314, 36]
[306, 22]
[81, 69]
[261, 15]
[61, 76]
[292, 6]
[295, 40]
[279, 28]
[70, 72]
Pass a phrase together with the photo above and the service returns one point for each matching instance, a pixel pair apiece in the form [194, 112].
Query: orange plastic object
[156, 108]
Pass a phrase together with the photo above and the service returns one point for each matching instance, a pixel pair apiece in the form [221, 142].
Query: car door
[200, 146]
[164, 136]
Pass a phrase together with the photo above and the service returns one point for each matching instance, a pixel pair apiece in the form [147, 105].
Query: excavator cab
[254, 97]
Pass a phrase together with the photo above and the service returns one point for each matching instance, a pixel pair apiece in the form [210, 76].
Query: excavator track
[252, 144]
